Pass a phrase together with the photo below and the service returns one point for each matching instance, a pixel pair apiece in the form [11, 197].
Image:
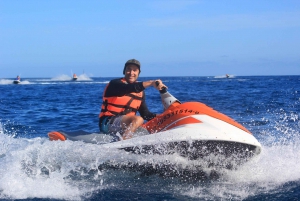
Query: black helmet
[132, 61]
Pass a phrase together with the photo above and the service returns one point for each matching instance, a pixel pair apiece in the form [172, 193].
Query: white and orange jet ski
[192, 130]
[74, 77]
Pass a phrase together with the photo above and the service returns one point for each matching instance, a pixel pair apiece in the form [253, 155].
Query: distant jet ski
[74, 77]
[192, 130]
[17, 80]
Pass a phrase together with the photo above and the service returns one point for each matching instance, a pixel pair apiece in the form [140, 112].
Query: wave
[30, 167]
[63, 77]
[224, 76]
[8, 81]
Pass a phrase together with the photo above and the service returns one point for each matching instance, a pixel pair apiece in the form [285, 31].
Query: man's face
[131, 73]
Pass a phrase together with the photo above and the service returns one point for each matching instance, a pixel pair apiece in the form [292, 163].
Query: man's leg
[130, 124]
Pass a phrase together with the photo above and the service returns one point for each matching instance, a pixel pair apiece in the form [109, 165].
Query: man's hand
[159, 85]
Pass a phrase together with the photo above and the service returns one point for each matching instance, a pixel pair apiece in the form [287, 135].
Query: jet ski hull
[195, 141]
[192, 130]
[192, 141]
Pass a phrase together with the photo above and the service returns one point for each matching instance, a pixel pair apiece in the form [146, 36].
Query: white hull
[210, 130]
[192, 141]
[195, 141]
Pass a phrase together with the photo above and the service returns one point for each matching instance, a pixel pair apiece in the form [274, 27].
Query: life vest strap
[127, 107]
[134, 97]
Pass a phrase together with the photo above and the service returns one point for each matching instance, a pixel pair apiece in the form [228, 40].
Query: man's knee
[130, 120]
[139, 120]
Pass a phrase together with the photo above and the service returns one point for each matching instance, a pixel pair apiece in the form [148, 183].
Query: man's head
[134, 62]
[132, 69]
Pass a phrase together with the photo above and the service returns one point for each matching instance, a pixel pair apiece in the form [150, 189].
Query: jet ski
[17, 80]
[74, 77]
[192, 130]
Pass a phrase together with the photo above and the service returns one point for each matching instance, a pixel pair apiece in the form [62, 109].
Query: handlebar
[163, 90]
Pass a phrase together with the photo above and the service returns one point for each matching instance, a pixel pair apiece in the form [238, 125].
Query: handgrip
[163, 90]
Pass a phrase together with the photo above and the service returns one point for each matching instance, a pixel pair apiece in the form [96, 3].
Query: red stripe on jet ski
[204, 109]
[186, 110]
[183, 121]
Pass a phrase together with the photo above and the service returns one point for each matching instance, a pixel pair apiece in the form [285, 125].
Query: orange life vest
[121, 105]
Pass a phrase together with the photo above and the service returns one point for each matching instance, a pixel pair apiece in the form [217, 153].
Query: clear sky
[46, 38]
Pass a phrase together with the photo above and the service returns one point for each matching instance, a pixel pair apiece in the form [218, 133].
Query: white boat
[193, 130]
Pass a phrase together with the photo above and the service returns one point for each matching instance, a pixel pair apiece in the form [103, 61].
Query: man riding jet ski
[17, 80]
[122, 98]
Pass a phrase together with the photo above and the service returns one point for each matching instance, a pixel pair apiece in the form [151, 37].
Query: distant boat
[74, 77]
[17, 80]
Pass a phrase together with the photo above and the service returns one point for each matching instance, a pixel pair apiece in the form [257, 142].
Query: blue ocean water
[34, 168]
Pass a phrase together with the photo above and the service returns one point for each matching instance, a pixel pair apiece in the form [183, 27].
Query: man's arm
[144, 111]
[118, 88]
